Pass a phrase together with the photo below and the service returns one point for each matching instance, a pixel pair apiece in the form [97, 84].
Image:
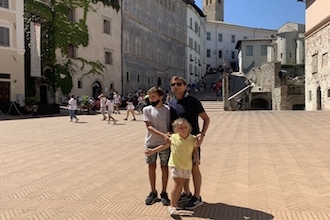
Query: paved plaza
[256, 165]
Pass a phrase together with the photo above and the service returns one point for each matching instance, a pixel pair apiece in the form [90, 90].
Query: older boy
[157, 119]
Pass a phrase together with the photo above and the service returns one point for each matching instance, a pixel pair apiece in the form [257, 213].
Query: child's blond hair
[181, 121]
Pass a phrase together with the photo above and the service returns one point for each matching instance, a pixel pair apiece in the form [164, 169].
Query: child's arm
[150, 151]
[155, 131]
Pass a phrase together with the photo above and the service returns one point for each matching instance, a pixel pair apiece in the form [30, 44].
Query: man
[186, 106]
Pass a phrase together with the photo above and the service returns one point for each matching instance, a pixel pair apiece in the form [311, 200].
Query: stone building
[12, 49]
[153, 43]
[104, 26]
[261, 62]
[317, 38]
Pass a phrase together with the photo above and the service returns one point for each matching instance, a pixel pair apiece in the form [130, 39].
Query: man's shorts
[180, 173]
[163, 156]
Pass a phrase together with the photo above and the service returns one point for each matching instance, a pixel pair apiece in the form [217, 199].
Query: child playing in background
[110, 105]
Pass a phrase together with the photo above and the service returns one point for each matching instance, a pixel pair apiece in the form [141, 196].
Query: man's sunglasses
[176, 84]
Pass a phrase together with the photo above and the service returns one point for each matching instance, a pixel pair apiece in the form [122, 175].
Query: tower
[213, 9]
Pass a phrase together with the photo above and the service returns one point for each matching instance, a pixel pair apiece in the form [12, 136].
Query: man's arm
[206, 123]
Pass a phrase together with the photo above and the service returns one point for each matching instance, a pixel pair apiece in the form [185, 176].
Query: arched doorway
[260, 104]
[97, 89]
[318, 99]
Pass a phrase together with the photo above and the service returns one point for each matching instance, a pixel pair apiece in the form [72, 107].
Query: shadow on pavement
[221, 211]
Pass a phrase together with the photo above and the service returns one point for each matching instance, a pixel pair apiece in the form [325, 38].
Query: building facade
[317, 39]
[104, 27]
[12, 81]
[221, 39]
[153, 43]
[195, 59]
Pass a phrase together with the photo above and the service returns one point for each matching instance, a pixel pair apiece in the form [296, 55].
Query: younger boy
[157, 119]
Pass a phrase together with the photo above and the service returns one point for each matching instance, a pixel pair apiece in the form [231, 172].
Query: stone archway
[260, 104]
[97, 89]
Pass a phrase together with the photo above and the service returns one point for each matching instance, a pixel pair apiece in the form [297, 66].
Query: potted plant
[31, 105]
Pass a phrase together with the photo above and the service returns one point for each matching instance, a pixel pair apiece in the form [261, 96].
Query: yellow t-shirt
[181, 151]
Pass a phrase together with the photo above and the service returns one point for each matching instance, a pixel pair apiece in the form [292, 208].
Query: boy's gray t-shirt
[159, 119]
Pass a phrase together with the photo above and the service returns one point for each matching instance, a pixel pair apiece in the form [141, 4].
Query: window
[191, 42]
[208, 53]
[233, 55]
[196, 27]
[220, 54]
[106, 26]
[233, 39]
[79, 84]
[325, 59]
[70, 14]
[328, 92]
[108, 57]
[127, 76]
[190, 23]
[4, 4]
[208, 36]
[314, 63]
[249, 50]
[263, 51]
[220, 37]
[4, 37]
[71, 51]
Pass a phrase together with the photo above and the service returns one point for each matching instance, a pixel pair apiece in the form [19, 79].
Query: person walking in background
[103, 101]
[130, 109]
[110, 106]
[118, 101]
[72, 107]
[183, 105]
[157, 119]
[183, 149]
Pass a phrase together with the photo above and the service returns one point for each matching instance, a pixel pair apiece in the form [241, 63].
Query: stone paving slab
[258, 165]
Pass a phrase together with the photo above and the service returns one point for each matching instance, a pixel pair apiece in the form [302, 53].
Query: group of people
[173, 133]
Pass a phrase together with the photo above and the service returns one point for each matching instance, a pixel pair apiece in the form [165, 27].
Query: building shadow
[221, 211]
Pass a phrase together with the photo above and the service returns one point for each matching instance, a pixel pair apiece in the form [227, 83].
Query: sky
[267, 14]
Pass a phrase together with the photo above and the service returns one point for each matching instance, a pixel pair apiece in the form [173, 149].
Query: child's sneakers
[173, 212]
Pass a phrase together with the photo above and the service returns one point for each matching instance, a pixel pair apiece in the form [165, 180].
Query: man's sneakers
[164, 199]
[193, 203]
[185, 198]
[152, 198]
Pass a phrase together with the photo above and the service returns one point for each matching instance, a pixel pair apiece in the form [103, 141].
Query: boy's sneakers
[193, 203]
[152, 198]
[164, 198]
[184, 198]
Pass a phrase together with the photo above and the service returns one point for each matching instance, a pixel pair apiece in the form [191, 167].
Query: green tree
[58, 32]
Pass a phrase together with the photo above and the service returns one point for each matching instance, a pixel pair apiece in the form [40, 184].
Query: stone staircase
[213, 106]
